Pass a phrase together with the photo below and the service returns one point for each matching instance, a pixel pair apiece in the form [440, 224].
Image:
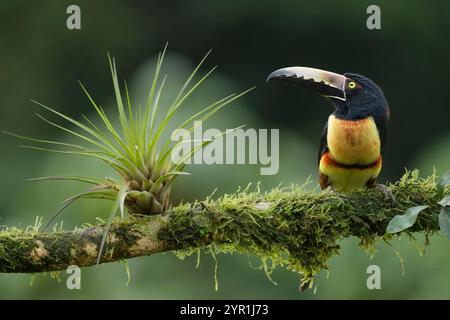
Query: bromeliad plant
[133, 149]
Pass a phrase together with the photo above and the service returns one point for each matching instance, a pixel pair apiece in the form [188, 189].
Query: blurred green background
[41, 59]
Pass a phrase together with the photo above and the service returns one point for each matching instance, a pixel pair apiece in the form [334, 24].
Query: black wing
[382, 131]
[323, 143]
[381, 122]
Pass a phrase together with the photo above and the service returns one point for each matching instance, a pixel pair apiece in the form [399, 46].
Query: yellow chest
[353, 142]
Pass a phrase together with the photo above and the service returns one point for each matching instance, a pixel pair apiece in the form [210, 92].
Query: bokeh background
[41, 59]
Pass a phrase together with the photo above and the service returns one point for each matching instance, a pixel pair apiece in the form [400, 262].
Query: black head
[363, 98]
[354, 96]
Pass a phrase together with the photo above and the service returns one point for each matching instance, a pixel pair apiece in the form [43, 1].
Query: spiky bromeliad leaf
[134, 149]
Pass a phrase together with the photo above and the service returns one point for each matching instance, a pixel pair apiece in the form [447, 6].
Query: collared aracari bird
[353, 139]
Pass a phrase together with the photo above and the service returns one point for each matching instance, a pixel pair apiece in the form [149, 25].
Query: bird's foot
[385, 190]
[332, 190]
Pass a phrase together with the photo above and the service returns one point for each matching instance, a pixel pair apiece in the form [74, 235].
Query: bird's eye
[352, 85]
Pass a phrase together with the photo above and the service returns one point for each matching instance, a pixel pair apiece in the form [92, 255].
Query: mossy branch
[293, 227]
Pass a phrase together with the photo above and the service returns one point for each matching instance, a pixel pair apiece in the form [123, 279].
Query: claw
[386, 191]
[332, 190]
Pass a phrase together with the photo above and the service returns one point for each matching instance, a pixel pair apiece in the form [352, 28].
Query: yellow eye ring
[352, 85]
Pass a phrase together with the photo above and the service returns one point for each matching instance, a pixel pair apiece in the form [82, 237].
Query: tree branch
[293, 227]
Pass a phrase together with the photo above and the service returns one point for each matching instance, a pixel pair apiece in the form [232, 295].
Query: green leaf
[444, 221]
[443, 182]
[120, 197]
[445, 179]
[404, 221]
[44, 141]
[70, 178]
[445, 202]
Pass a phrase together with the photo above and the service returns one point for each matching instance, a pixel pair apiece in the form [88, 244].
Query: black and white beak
[328, 84]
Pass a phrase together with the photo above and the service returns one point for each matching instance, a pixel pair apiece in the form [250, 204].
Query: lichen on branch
[292, 227]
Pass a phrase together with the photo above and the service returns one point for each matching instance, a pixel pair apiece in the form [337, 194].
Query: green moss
[296, 228]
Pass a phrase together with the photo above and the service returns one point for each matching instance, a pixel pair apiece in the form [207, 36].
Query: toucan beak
[328, 84]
